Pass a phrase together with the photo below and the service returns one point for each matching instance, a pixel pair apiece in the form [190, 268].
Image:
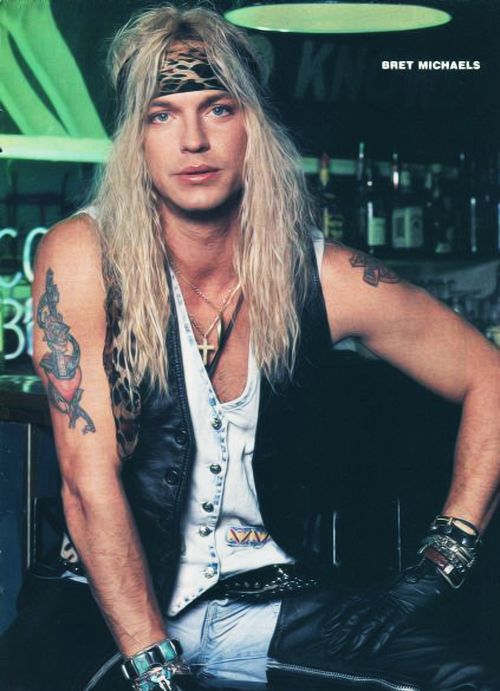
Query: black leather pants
[428, 657]
[60, 642]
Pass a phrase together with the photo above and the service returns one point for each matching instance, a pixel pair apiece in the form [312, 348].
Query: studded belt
[266, 583]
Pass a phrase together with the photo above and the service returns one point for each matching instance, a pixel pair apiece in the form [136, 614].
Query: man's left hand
[366, 623]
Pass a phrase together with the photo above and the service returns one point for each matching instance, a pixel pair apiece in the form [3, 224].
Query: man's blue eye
[218, 108]
[158, 117]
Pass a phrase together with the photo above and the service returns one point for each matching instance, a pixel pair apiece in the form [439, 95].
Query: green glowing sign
[81, 149]
[31, 27]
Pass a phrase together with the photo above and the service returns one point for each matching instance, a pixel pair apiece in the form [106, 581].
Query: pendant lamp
[336, 16]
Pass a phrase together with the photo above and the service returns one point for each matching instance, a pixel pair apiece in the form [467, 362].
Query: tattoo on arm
[62, 364]
[374, 271]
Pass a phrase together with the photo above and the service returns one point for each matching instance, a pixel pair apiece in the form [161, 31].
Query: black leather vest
[289, 466]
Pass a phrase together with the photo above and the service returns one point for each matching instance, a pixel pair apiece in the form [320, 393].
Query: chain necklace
[205, 347]
[225, 301]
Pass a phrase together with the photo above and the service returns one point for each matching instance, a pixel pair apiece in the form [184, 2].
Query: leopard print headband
[186, 70]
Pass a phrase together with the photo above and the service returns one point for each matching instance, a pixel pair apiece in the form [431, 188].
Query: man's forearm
[474, 491]
[105, 535]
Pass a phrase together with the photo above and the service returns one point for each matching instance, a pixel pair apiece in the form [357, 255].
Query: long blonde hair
[276, 212]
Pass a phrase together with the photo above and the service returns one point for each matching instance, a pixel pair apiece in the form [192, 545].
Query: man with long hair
[193, 492]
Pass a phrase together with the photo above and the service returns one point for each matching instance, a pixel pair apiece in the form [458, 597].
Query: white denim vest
[222, 527]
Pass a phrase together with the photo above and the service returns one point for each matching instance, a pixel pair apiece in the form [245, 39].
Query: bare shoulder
[68, 269]
[74, 239]
[402, 323]
[71, 250]
[359, 288]
[343, 263]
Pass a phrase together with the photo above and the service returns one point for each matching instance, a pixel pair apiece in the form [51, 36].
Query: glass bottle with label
[332, 216]
[371, 212]
[407, 227]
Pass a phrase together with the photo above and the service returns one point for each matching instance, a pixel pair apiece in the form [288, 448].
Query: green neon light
[75, 149]
[31, 26]
[336, 17]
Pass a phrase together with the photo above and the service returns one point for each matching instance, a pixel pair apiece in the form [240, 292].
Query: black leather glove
[365, 623]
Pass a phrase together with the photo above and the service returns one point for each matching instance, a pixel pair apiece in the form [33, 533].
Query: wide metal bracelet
[450, 561]
[464, 557]
[461, 566]
[158, 655]
[450, 526]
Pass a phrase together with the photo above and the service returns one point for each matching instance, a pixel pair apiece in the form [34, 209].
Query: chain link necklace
[205, 347]
[225, 300]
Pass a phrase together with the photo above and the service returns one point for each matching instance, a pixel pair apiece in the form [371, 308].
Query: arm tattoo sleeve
[374, 271]
[62, 364]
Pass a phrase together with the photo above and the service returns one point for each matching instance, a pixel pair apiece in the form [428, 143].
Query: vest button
[207, 506]
[172, 476]
[209, 572]
[204, 530]
[215, 468]
[216, 423]
[181, 436]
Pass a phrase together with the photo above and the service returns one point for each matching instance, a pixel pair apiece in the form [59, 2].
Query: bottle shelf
[347, 167]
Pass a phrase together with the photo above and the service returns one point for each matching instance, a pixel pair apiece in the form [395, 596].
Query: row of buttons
[205, 530]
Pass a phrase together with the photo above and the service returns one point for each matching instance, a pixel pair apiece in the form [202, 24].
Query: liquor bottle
[407, 226]
[472, 208]
[392, 198]
[358, 232]
[332, 216]
[439, 227]
[395, 173]
[371, 214]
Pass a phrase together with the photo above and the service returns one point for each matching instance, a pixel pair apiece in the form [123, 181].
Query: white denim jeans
[226, 639]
